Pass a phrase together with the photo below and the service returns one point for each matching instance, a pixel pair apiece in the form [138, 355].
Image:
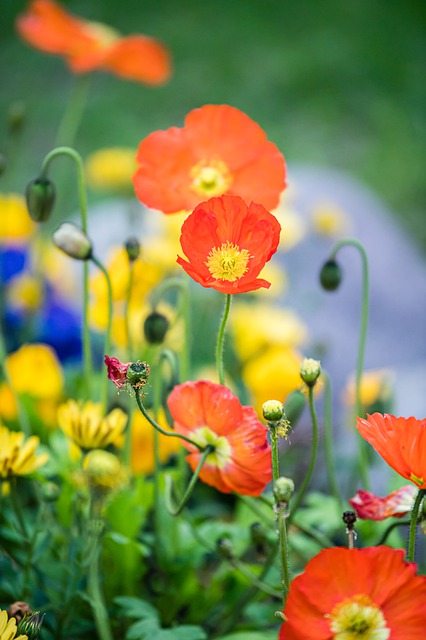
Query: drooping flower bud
[283, 490]
[133, 248]
[73, 241]
[155, 327]
[330, 275]
[40, 196]
[272, 410]
[310, 371]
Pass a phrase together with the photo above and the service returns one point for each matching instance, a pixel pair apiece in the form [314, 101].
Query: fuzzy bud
[40, 196]
[73, 241]
[50, 491]
[272, 410]
[330, 275]
[283, 489]
[310, 371]
[133, 249]
[155, 328]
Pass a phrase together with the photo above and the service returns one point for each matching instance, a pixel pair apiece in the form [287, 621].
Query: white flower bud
[73, 241]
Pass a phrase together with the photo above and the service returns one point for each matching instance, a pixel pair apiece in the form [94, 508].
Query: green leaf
[143, 630]
[185, 632]
[137, 608]
[248, 635]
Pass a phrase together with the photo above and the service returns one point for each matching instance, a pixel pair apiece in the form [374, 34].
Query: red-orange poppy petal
[400, 441]
[254, 167]
[396, 505]
[379, 573]
[139, 58]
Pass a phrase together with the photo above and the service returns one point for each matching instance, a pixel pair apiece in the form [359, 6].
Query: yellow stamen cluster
[228, 262]
[86, 426]
[222, 449]
[210, 178]
[18, 458]
[8, 628]
[358, 618]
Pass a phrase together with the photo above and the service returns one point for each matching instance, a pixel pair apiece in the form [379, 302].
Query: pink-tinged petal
[371, 507]
[117, 371]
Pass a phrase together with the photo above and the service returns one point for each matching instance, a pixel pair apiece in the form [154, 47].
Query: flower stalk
[221, 339]
[413, 525]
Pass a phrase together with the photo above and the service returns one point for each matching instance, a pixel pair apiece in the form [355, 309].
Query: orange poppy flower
[209, 413]
[219, 150]
[395, 505]
[356, 593]
[400, 441]
[89, 46]
[227, 244]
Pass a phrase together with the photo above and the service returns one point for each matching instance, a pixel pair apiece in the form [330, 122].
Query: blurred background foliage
[333, 83]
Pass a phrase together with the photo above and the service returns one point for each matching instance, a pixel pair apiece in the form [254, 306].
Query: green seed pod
[133, 249]
[283, 489]
[40, 195]
[137, 374]
[155, 327]
[330, 275]
[272, 410]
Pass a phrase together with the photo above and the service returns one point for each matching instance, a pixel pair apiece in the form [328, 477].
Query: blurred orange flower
[356, 593]
[395, 505]
[219, 150]
[89, 46]
[400, 441]
[227, 244]
[209, 413]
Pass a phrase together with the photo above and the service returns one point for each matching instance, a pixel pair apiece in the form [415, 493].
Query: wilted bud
[283, 489]
[133, 248]
[18, 610]
[40, 195]
[73, 241]
[16, 116]
[294, 405]
[155, 327]
[224, 548]
[30, 625]
[330, 275]
[310, 371]
[137, 374]
[272, 410]
[349, 518]
[50, 491]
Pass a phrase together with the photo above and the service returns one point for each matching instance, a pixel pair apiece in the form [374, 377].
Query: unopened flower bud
[283, 489]
[103, 469]
[330, 275]
[349, 518]
[272, 410]
[73, 241]
[294, 405]
[133, 249]
[224, 548]
[137, 374]
[40, 195]
[155, 327]
[30, 625]
[50, 491]
[310, 371]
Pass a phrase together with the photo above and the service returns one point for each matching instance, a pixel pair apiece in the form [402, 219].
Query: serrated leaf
[184, 632]
[143, 630]
[137, 608]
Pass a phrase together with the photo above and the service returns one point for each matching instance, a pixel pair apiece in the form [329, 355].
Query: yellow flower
[25, 292]
[35, 369]
[84, 424]
[376, 385]
[15, 223]
[142, 455]
[330, 220]
[17, 458]
[103, 470]
[8, 407]
[273, 374]
[111, 169]
[259, 326]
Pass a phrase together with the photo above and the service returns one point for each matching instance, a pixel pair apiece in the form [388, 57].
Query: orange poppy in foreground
[89, 46]
[349, 594]
[219, 150]
[209, 413]
[400, 441]
[227, 244]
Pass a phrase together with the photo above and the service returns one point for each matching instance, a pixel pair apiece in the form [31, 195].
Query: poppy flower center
[222, 449]
[210, 178]
[358, 618]
[228, 262]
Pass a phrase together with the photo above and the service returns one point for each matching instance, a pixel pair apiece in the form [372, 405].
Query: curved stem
[221, 338]
[160, 429]
[307, 478]
[388, 531]
[68, 151]
[413, 525]
[107, 345]
[173, 510]
[328, 439]
[73, 113]
[363, 463]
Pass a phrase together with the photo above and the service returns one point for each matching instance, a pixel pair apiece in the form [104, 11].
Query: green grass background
[334, 83]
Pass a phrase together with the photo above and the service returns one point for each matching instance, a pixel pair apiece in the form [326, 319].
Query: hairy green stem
[68, 151]
[107, 345]
[362, 450]
[221, 340]
[301, 493]
[413, 525]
